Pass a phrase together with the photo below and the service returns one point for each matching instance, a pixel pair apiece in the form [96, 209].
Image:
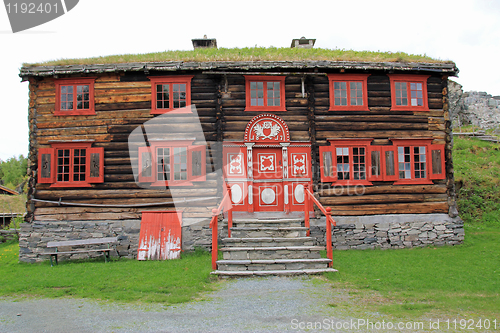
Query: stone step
[248, 232]
[272, 264]
[266, 222]
[271, 252]
[268, 241]
[277, 272]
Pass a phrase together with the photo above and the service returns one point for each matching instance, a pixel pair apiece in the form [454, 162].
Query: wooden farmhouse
[146, 150]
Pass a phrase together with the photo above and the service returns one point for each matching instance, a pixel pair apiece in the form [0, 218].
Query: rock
[473, 108]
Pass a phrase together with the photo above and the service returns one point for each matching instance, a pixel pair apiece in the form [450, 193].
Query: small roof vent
[204, 42]
[304, 43]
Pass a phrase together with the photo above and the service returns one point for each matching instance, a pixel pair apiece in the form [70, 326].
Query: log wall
[123, 103]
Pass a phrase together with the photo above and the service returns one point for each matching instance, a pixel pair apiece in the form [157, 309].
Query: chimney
[204, 43]
[303, 43]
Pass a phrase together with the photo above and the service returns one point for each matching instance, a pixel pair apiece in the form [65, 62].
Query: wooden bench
[84, 242]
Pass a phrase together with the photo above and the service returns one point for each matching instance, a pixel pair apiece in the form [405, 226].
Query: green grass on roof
[249, 54]
[12, 203]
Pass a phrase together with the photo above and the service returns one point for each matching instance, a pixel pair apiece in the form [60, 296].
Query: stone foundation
[390, 231]
[351, 232]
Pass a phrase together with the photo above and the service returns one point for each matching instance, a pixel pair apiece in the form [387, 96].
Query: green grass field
[168, 282]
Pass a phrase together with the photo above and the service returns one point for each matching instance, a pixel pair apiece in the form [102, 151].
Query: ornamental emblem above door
[267, 128]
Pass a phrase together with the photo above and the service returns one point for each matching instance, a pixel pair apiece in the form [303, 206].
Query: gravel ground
[272, 304]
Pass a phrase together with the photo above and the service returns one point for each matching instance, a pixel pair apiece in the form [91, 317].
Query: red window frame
[249, 79]
[148, 169]
[329, 171]
[434, 161]
[348, 79]
[381, 162]
[409, 81]
[170, 81]
[75, 84]
[50, 170]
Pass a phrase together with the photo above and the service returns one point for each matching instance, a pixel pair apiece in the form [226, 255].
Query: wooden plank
[122, 91]
[72, 131]
[382, 199]
[117, 85]
[208, 189]
[418, 118]
[89, 241]
[367, 126]
[378, 134]
[45, 140]
[381, 189]
[122, 98]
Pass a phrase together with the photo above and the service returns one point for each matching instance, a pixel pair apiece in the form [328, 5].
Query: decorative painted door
[160, 236]
[268, 179]
[267, 171]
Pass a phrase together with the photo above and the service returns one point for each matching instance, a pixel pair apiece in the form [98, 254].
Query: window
[348, 92]
[71, 165]
[265, 93]
[175, 163]
[414, 161]
[346, 162]
[406, 161]
[74, 97]
[170, 94]
[409, 92]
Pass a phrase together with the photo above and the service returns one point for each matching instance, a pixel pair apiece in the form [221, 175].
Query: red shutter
[437, 168]
[146, 168]
[328, 163]
[375, 163]
[390, 170]
[95, 167]
[160, 237]
[46, 166]
[197, 163]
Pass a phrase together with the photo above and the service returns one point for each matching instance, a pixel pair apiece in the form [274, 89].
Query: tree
[13, 171]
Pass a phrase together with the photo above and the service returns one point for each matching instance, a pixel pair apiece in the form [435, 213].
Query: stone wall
[33, 237]
[390, 231]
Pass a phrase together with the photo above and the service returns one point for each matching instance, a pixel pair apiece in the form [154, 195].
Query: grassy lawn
[168, 282]
[462, 280]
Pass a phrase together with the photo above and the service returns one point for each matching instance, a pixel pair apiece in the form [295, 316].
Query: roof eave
[172, 66]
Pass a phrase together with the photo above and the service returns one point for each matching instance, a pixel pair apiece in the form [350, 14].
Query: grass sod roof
[248, 54]
[234, 58]
[12, 204]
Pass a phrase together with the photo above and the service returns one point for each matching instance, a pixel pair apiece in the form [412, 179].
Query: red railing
[329, 221]
[215, 227]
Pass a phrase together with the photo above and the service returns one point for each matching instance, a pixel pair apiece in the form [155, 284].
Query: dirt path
[273, 304]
